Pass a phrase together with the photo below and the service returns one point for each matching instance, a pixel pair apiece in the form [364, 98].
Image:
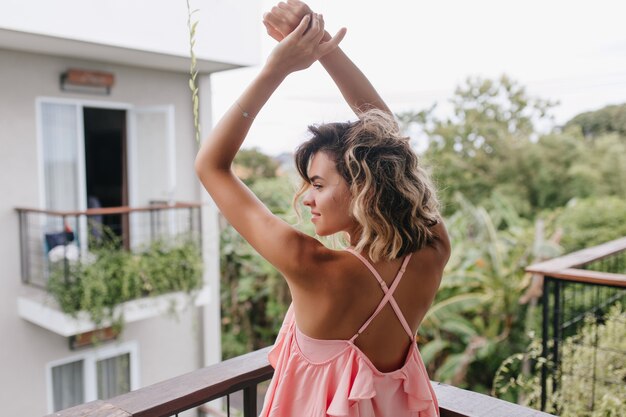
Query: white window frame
[90, 357]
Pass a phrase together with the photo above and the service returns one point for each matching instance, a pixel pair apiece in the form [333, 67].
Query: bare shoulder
[432, 259]
[316, 265]
[440, 245]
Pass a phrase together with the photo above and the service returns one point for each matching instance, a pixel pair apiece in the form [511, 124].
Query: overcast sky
[416, 53]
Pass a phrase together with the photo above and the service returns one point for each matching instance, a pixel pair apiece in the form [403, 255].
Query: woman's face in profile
[328, 197]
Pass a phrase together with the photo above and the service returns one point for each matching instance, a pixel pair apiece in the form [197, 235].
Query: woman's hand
[284, 18]
[302, 47]
[354, 86]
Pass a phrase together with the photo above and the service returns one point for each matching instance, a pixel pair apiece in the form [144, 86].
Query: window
[67, 385]
[113, 376]
[99, 373]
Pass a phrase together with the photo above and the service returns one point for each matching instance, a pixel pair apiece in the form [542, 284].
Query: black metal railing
[581, 291]
[54, 239]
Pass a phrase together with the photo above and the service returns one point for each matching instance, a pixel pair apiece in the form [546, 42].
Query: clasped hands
[301, 36]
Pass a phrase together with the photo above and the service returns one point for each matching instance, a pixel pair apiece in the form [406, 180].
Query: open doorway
[106, 168]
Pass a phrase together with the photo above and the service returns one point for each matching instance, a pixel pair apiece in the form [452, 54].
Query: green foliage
[254, 297]
[591, 222]
[610, 119]
[477, 311]
[492, 144]
[597, 349]
[252, 164]
[599, 168]
[479, 149]
[110, 276]
[511, 382]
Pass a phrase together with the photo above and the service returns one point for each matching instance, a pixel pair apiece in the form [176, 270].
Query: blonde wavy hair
[393, 199]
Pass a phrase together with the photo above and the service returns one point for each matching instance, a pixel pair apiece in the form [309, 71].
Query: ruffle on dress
[356, 383]
[360, 383]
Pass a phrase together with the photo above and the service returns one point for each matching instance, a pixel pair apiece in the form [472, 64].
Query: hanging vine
[193, 71]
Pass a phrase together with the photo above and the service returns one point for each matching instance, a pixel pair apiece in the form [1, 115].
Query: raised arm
[274, 239]
[352, 83]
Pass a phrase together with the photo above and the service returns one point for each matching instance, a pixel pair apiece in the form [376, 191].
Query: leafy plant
[110, 276]
[591, 222]
[594, 355]
[477, 320]
[513, 384]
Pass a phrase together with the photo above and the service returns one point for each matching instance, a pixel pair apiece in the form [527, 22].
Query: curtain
[113, 376]
[59, 132]
[154, 167]
[67, 385]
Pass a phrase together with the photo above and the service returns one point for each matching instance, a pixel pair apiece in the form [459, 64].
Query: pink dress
[319, 378]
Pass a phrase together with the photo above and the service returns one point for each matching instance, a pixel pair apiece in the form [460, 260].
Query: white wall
[227, 32]
[167, 347]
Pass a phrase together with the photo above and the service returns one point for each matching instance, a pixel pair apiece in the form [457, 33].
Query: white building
[129, 115]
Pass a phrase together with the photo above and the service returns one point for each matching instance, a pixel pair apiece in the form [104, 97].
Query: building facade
[95, 111]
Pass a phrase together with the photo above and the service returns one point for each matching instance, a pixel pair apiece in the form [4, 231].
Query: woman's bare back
[351, 293]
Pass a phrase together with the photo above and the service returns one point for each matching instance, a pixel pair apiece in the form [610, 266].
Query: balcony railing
[579, 291]
[52, 238]
[168, 398]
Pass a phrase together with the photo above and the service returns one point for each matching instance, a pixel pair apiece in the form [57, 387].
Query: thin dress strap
[388, 298]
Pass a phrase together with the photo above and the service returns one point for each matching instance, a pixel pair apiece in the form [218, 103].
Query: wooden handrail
[110, 210]
[590, 277]
[195, 388]
[577, 259]
[183, 392]
[457, 402]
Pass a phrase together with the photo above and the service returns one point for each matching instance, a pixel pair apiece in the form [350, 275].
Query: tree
[492, 144]
[485, 112]
[251, 165]
[609, 119]
[474, 151]
[591, 222]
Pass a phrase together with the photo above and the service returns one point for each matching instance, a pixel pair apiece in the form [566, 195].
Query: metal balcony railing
[57, 238]
[579, 290]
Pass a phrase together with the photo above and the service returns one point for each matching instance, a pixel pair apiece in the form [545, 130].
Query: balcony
[140, 263]
[168, 398]
[579, 289]
[583, 327]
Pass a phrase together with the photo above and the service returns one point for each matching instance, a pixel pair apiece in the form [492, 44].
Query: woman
[347, 344]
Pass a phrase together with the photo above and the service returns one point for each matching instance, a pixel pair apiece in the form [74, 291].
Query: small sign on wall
[87, 81]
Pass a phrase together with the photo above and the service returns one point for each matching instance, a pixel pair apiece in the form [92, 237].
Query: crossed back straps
[388, 297]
